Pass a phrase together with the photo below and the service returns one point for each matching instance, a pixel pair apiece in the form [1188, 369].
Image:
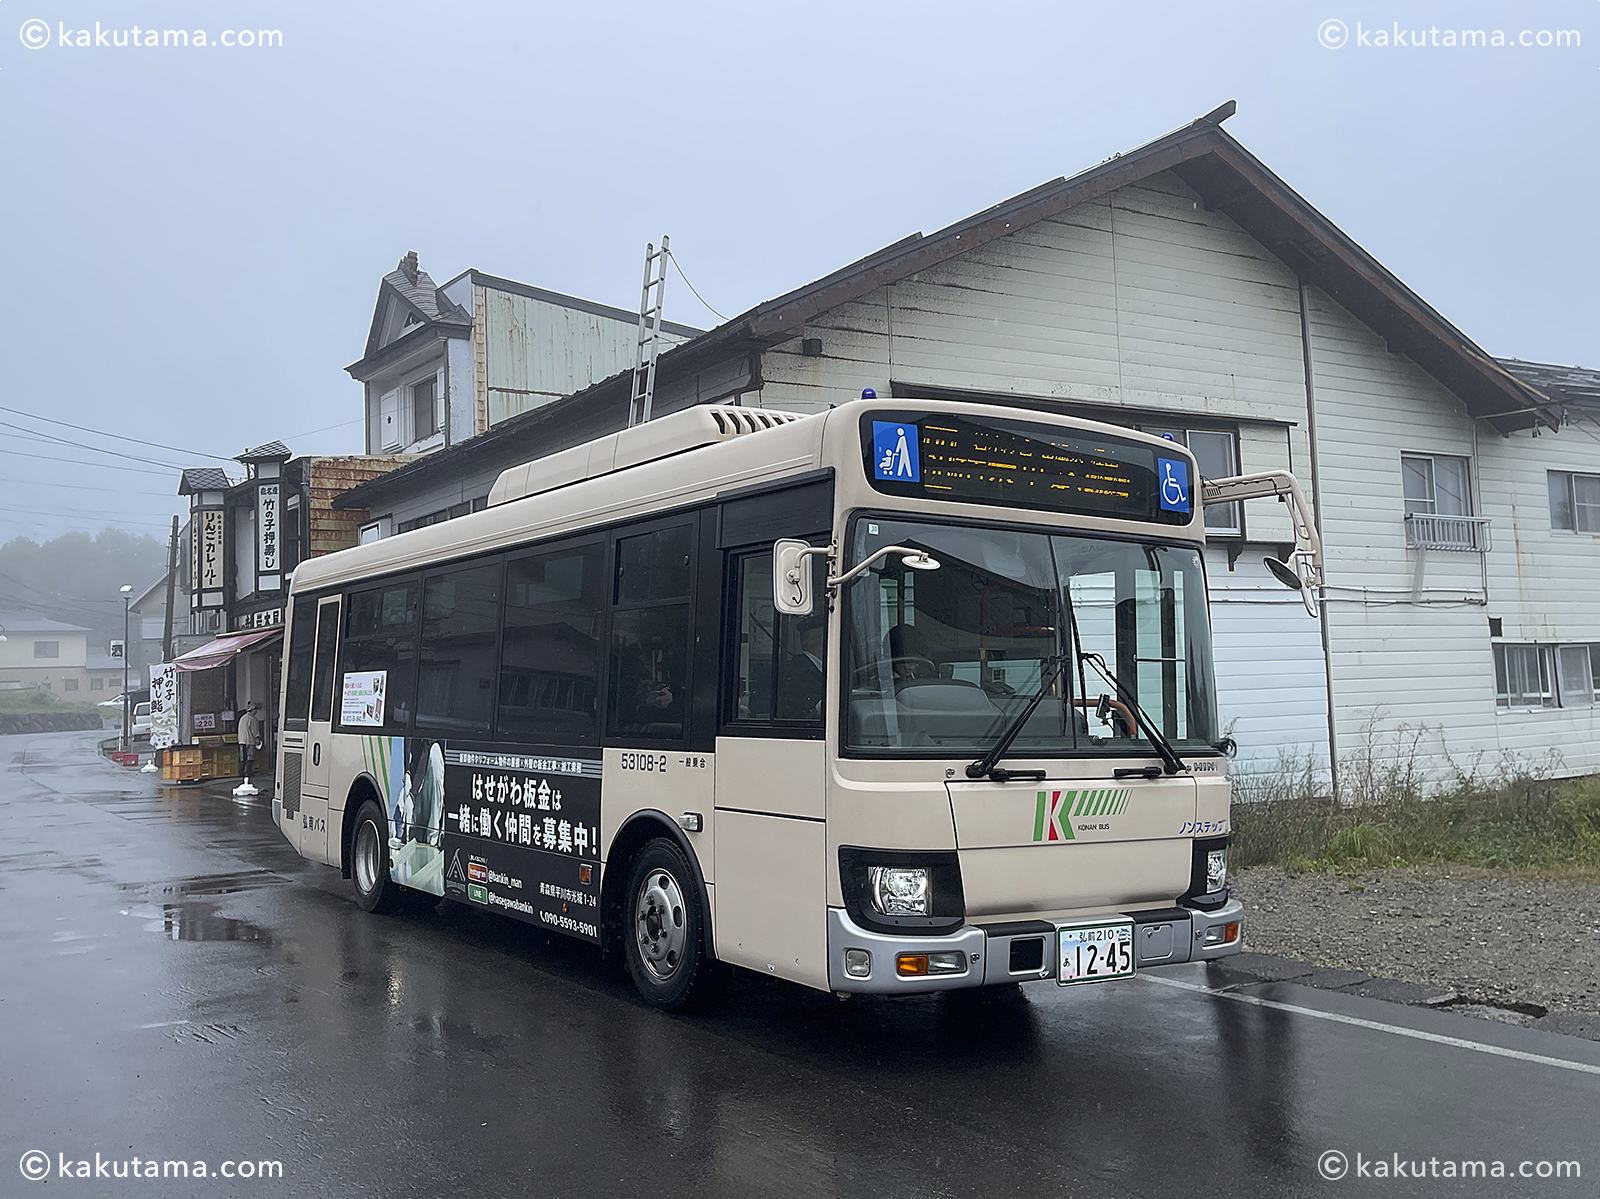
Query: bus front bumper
[863, 962]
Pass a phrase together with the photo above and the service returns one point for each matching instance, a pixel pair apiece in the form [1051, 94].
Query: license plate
[1094, 952]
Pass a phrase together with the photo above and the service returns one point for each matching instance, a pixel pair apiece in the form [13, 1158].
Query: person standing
[249, 734]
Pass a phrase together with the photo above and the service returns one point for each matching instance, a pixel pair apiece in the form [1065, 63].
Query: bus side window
[550, 651]
[380, 635]
[460, 628]
[779, 661]
[649, 672]
[302, 641]
[327, 643]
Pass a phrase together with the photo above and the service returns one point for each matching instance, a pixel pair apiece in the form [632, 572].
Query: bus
[905, 696]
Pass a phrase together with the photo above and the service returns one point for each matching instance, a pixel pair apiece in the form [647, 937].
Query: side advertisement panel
[518, 832]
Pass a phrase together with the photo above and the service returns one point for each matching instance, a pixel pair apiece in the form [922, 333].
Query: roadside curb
[1245, 968]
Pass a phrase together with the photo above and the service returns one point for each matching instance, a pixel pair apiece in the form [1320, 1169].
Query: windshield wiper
[986, 767]
[1158, 740]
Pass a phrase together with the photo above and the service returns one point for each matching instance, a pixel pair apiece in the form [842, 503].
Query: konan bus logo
[1056, 810]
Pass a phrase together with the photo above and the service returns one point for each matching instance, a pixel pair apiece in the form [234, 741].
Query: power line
[114, 436]
[82, 487]
[36, 435]
[691, 287]
[341, 425]
[80, 513]
[138, 470]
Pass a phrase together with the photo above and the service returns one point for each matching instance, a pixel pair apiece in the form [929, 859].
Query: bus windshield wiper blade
[986, 766]
[1158, 740]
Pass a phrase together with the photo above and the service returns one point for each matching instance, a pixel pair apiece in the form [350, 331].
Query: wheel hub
[660, 926]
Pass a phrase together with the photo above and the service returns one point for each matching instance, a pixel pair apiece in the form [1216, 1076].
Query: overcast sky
[193, 238]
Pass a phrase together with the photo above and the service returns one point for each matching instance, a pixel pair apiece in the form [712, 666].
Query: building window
[72, 684]
[97, 684]
[1435, 485]
[47, 649]
[1216, 451]
[1523, 676]
[1575, 675]
[424, 414]
[1574, 502]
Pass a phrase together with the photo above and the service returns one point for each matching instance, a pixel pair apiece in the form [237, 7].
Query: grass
[1512, 819]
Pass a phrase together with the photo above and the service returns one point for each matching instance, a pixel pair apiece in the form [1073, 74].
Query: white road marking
[1377, 1026]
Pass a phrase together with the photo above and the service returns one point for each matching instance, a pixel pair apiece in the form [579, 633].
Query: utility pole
[172, 590]
[127, 704]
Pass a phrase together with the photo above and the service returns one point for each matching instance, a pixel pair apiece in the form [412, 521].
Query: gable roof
[203, 478]
[273, 451]
[32, 622]
[1227, 177]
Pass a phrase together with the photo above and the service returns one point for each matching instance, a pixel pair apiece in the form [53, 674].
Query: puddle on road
[196, 921]
[210, 884]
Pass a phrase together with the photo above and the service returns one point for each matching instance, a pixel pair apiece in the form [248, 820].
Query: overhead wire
[114, 436]
[36, 435]
[139, 470]
[672, 255]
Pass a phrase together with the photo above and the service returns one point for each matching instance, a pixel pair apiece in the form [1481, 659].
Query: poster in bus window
[416, 814]
[361, 701]
[521, 835]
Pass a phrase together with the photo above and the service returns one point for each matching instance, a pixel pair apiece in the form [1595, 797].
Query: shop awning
[221, 651]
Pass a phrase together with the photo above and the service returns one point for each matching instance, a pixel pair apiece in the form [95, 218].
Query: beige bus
[900, 697]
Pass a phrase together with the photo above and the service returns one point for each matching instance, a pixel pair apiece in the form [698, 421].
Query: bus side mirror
[791, 577]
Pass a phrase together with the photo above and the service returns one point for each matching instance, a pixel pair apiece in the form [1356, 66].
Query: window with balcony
[1574, 502]
[1438, 504]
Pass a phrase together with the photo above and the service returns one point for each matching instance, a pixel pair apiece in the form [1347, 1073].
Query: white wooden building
[1184, 288]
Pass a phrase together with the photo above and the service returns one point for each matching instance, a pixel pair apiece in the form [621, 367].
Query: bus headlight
[1216, 870]
[899, 890]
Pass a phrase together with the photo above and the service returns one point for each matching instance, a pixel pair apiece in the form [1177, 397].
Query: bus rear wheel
[664, 930]
[369, 862]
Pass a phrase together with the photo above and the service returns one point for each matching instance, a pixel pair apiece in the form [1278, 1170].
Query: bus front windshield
[942, 661]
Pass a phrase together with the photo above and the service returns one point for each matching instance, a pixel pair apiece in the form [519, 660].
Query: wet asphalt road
[176, 983]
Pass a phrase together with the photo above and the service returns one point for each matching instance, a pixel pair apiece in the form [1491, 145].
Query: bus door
[771, 781]
[311, 833]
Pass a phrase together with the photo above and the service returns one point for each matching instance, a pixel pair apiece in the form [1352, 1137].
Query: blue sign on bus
[1173, 479]
[894, 451]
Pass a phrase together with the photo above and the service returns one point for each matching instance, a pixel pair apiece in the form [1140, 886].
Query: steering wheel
[869, 672]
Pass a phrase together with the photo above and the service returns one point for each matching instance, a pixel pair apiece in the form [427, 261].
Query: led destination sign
[1019, 464]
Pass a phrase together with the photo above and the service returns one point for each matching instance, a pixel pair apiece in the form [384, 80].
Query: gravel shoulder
[1510, 942]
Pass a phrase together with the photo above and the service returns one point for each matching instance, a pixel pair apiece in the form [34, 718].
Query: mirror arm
[866, 563]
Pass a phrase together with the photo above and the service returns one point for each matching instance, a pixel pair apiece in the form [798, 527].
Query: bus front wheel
[664, 930]
[369, 861]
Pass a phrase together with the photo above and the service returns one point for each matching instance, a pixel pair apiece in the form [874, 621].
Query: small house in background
[51, 655]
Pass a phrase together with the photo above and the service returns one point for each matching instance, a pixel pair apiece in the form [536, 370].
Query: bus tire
[663, 930]
[369, 862]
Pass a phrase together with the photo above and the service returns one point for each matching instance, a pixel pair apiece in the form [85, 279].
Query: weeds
[1394, 809]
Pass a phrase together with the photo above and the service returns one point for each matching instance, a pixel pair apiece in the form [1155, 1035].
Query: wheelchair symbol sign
[1174, 480]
